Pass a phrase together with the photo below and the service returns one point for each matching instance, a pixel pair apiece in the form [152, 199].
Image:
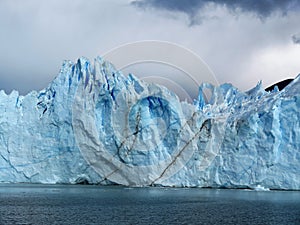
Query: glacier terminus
[93, 124]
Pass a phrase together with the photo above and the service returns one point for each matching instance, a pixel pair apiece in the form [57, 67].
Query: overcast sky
[242, 41]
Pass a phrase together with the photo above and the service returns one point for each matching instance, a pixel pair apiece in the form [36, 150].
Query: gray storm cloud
[296, 39]
[262, 8]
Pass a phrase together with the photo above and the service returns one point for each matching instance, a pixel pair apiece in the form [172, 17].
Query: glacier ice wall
[94, 124]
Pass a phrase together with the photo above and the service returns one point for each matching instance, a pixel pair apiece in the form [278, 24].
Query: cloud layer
[238, 45]
[262, 8]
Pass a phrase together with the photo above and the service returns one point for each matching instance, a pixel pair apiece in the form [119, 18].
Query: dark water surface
[63, 204]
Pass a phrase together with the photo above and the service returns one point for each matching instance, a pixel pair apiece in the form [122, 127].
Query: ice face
[94, 124]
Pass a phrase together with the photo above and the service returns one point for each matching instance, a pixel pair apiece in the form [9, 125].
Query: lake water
[67, 204]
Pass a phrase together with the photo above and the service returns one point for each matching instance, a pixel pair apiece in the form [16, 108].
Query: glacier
[94, 125]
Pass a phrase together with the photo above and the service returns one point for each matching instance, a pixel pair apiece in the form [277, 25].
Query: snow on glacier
[94, 124]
